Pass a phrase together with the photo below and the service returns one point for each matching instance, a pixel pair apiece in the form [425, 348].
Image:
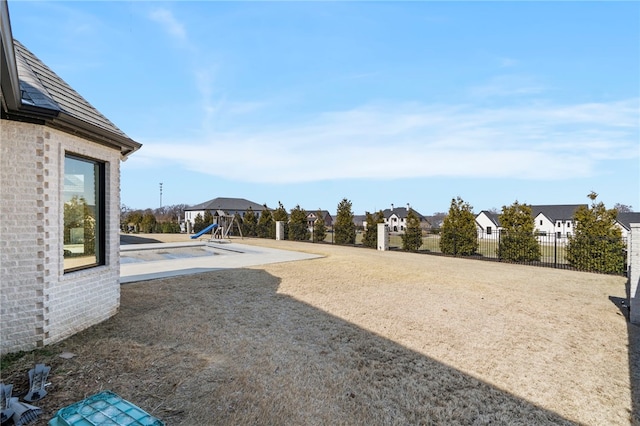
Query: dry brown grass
[359, 337]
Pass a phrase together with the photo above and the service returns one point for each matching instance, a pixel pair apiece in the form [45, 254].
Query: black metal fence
[605, 255]
[601, 255]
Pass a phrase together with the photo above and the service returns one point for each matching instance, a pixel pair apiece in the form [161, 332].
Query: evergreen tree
[280, 215]
[169, 227]
[298, 230]
[134, 218]
[266, 225]
[345, 229]
[518, 241]
[235, 224]
[459, 235]
[319, 228]
[249, 223]
[597, 244]
[198, 223]
[370, 236]
[208, 218]
[412, 237]
[148, 221]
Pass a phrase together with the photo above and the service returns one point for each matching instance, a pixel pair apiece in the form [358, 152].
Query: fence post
[555, 250]
[634, 274]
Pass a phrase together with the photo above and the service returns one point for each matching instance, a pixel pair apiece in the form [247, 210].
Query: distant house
[555, 219]
[436, 220]
[549, 220]
[488, 224]
[312, 217]
[625, 220]
[360, 221]
[396, 218]
[59, 203]
[222, 206]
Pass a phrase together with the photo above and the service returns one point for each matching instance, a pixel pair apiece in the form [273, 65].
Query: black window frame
[100, 211]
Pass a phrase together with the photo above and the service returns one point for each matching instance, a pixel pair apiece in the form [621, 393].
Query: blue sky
[378, 102]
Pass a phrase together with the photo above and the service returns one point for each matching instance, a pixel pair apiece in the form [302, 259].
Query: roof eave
[9, 72]
[104, 137]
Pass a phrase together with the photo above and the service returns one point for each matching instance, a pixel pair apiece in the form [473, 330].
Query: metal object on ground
[24, 413]
[5, 402]
[37, 382]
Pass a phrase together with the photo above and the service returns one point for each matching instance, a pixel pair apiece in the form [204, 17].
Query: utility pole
[160, 194]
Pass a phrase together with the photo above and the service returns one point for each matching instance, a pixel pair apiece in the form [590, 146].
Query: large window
[84, 213]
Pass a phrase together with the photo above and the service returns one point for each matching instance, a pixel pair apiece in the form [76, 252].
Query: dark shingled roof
[31, 91]
[401, 212]
[40, 85]
[228, 204]
[557, 212]
[493, 217]
[626, 219]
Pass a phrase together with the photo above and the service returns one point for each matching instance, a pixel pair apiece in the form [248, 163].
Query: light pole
[160, 194]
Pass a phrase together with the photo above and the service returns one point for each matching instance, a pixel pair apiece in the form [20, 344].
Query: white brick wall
[39, 304]
[634, 273]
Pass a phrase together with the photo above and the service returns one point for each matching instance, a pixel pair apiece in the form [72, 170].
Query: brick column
[279, 230]
[383, 237]
[634, 273]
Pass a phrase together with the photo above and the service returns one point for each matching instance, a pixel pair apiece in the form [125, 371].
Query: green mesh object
[104, 408]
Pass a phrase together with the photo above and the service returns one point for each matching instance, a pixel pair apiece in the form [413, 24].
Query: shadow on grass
[278, 359]
[633, 333]
[225, 347]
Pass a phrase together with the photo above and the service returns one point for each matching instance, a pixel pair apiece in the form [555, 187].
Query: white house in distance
[555, 219]
[488, 224]
[396, 218]
[312, 218]
[59, 203]
[222, 206]
[625, 220]
[548, 220]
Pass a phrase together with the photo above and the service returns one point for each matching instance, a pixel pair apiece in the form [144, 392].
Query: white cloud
[170, 24]
[544, 142]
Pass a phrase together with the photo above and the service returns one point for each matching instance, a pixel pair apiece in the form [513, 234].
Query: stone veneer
[39, 303]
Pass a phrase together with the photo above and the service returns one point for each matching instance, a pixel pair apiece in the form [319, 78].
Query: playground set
[220, 228]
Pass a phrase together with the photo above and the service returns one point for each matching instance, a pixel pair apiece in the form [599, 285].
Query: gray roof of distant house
[359, 219]
[228, 204]
[493, 217]
[401, 212]
[557, 212]
[323, 212]
[31, 91]
[626, 219]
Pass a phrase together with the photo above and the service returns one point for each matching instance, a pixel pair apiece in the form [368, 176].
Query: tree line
[596, 244]
[164, 219]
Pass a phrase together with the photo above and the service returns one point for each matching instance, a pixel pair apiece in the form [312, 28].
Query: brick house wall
[39, 303]
[634, 273]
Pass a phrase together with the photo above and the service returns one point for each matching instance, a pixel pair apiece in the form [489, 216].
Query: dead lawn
[360, 337]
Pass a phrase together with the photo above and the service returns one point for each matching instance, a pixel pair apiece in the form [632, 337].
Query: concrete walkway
[226, 256]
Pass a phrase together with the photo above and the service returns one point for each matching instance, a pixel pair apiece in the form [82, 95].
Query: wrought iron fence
[553, 250]
[605, 255]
